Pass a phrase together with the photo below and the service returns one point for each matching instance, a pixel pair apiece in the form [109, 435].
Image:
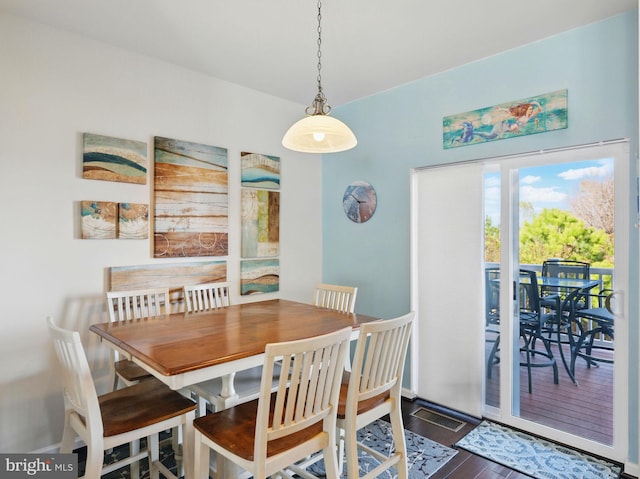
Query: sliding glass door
[478, 224]
[571, 205]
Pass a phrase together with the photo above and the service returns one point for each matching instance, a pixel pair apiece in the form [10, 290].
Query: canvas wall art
[537, 114]
[169, 275]
[114, 159]
[133, 221]
[259, 276]
[191, 199]
[260, 220]
[260, 171]
[98, 219]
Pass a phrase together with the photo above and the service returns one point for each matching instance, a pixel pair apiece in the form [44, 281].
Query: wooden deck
[585, 410]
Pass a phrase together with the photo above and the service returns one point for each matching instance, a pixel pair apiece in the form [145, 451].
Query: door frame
[619, 450]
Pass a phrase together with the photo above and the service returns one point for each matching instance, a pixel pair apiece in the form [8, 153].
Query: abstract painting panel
[528, 116]
[98, 219]
[166, 275]
[260, 171]
[191, 199]
[259, 276]
[114, 159]
[133, 221]
[260, 223]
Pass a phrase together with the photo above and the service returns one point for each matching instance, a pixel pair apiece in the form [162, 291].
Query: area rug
[424, 456]
[533, 456]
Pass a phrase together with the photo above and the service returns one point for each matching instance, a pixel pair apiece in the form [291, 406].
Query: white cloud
[605, 169]
[547, 195]
[529, 180]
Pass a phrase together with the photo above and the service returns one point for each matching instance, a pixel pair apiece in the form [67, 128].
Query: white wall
[53, 87]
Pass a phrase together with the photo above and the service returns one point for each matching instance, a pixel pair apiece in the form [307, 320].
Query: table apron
[181, 380]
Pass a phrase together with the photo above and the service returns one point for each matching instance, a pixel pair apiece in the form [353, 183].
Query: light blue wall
[402, 128]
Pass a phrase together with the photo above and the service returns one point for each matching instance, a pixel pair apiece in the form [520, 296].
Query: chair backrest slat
[338, 298]
[80, 395]
[137, 304]
[206, 296]
[310, 377]
[379, 358]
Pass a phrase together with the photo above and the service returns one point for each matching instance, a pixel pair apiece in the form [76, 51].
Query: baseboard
[55, 448]
[408, 394]
[631, 469]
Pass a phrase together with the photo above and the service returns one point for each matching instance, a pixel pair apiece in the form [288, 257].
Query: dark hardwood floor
[464, 465]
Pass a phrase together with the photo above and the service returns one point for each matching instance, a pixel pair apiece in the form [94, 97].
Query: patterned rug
[424, 456]
[533, 456]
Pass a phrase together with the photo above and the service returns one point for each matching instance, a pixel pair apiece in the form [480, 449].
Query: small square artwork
[133, 221]
[259, 276]
[260, 236]
[260, 171]
[528, 116]
[99, 219]
[114, 159]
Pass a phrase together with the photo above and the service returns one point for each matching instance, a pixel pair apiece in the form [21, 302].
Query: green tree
[491, 241]
[556, 233]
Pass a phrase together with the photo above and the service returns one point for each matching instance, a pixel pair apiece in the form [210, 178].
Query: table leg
[228, 395]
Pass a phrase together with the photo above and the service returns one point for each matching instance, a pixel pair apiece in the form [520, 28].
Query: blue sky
[548, 186]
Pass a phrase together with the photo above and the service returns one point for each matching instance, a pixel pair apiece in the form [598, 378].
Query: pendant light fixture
[318, 132]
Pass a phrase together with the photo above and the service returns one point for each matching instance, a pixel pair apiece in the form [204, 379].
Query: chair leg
[351, 449]
[153, 447]
[134, 448]
[331, 460]
[94, 463]
[201, 457]
[340, 449]
[68, 436]
[397, 430]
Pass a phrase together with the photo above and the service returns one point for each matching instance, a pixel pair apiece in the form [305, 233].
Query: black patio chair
[595, 322]
[532, 318]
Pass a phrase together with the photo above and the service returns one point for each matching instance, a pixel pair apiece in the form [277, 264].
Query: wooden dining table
[182, 349]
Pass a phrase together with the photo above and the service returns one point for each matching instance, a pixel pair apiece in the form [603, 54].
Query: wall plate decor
[359, 201]
[98, 219]
[191, 199]
[260, 171]
[114, 159]
[536, 114]
[259, 276]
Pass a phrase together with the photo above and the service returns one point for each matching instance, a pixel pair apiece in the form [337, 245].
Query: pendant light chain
[319, 46]
[319, 105]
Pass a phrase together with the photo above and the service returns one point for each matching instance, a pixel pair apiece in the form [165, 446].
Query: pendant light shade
[318, 132]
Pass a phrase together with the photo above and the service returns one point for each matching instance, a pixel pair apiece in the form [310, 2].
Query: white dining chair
[206, 296]
[242, 386]
[267, 434]
[336, 297]
[118, 417]
[130, 305]
[372, 390]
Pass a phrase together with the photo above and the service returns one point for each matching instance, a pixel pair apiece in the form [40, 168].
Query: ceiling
[368, 46]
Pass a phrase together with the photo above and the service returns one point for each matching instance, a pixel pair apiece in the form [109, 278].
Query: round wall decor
[359, 201]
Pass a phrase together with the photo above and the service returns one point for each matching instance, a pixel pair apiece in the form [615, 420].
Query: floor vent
[439, 419]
